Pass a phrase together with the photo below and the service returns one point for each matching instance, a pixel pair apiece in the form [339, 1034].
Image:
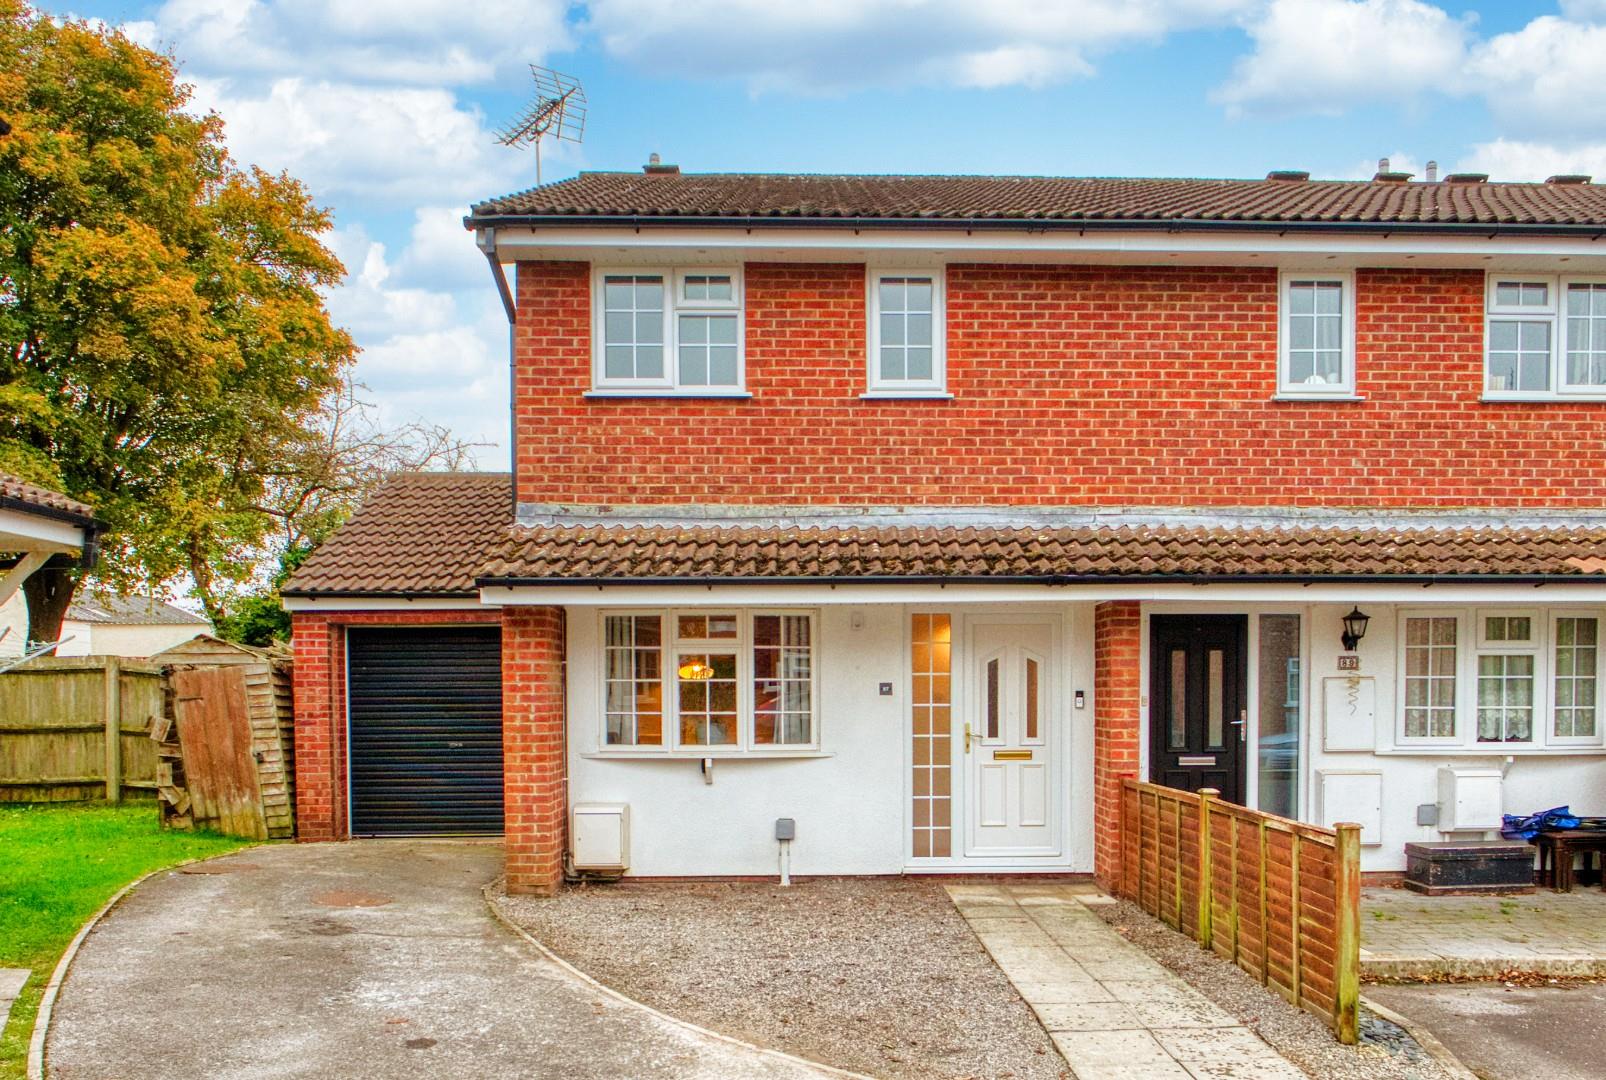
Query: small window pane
[1177, 728]
[1031, 698]
[1430, 677]
[633, 691]
[1576, 667]
[992, 699]
[1215, 696]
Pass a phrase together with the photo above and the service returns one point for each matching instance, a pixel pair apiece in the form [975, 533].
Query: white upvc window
[1429, 675]
[907, 333]
[663, 331]
[1577, 669]
[709, 682]
[1316, 335]
[1545, 337]
[1501, 678]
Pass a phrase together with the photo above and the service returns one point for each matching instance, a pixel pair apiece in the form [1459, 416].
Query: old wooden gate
[214, 726]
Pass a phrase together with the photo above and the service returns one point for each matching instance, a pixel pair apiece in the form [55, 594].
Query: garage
[425, 718]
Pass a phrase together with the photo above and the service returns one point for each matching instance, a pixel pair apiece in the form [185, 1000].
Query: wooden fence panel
[211, 708]
[53, 719]
[1279, 898]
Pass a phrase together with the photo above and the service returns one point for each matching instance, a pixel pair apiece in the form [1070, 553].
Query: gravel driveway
[880, 976]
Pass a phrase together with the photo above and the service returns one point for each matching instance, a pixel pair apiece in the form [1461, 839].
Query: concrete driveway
[1512, 1033]
[367, 959]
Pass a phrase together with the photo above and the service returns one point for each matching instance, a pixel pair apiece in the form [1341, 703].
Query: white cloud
[392, 146]
[830, 46]
[1323, 56]
[407, 42]
[1514, 159]
[440, 251]
[1584, 10]
[1546, 76]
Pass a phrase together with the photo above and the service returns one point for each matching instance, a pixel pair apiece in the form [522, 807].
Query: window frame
[937, 385]
[1551, 738]
[673, 646]
[1534, 648]
[1463, 648]
[1554, 313]
[1286, 387]
[674, 278]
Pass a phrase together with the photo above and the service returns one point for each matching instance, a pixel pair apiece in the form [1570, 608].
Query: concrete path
[12, 980]
[369, 959]
[1513, 1034]
[1405, 935]
[1114, 1013]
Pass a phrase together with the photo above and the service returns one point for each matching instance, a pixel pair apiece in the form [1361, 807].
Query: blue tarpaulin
[1516, 827]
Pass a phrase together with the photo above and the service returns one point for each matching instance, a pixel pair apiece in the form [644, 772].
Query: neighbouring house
[126, 626]
[36, 525]
[920, 511]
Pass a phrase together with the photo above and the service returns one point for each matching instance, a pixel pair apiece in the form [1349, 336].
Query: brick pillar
[319, 781]
[1117, 685]
[534, 770]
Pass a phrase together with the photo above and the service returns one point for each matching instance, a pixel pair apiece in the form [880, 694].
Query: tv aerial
[558, 111]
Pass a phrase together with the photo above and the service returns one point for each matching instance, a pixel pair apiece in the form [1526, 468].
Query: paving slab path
[370, 959]
[1113, 1012]
[1405, 935]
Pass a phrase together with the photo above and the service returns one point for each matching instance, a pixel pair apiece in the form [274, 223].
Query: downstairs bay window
[703, 682]
[1499, 678]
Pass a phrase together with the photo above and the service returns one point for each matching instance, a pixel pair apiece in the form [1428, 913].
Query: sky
[387, 110]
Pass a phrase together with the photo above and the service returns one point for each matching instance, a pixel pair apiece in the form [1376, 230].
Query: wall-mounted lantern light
[1354, 628]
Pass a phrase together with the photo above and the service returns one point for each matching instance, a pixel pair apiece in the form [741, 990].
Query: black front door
[1198, 697]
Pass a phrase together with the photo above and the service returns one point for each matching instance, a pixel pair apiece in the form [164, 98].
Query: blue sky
[386, 111]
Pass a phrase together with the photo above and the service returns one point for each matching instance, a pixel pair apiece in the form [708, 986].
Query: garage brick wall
[320, 698]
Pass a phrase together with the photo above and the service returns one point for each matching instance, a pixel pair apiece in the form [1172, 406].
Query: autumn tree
[164, 348]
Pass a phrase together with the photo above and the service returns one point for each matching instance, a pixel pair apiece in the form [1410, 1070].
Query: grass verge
[59, 863]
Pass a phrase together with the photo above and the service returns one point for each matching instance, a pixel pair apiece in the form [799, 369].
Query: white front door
[1008, 741]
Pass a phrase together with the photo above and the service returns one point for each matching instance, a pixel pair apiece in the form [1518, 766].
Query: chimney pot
[655, 167]
[1432, 176]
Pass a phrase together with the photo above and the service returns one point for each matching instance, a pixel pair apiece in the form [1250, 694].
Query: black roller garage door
[426, 730]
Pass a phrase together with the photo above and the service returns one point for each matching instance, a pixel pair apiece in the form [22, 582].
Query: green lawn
[58, 864]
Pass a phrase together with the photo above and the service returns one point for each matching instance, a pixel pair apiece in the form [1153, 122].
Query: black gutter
[1593, 231]
[1060, 580]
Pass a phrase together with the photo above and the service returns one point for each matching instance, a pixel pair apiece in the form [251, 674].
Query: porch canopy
[580, 563]
[37, 523]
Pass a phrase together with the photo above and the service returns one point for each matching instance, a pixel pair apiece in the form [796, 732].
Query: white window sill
[717, 755]
[1496, 398]
[1489, 750]
[906, 395]
[655, 393]
[1292, 395]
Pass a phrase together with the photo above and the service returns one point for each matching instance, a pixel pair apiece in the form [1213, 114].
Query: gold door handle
[967, 737]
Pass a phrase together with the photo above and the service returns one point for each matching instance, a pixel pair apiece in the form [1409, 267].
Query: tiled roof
[560, 554]
[18, 495]
[131, 611]
[1055, 199]
[419, 534]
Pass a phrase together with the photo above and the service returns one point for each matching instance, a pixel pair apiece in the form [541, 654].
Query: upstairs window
[668, 332]
[1545, 338]
[1317, 336]
[906, 333]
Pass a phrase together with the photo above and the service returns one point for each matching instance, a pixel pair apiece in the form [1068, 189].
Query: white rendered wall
[852, 806]
[14, 620]
[109, 639]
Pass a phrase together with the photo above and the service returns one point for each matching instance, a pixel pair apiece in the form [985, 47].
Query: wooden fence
[1278, 898]
[55, 715]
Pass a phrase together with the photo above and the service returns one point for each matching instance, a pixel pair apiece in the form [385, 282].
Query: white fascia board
[623, 245]
[21, 531]
[382, 603]
[702, 595]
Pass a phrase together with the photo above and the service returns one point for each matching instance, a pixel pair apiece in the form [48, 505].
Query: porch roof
[668, 554]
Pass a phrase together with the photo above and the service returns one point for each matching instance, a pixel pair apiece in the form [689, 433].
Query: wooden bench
[1557, 848]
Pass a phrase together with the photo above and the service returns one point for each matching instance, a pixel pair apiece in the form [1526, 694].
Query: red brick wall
[320, 701]
[1096, 386]
[1117, 685]
[534, 775]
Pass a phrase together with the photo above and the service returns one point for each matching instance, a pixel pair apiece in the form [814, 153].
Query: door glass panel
[1177, 739]
[931, 641]
[1281, 707]
[1031, 699]
[992, 699]
[1215, 674]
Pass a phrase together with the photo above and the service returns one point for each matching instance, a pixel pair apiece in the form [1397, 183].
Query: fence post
[112, 713]
[1347, 940]
[1207, 870]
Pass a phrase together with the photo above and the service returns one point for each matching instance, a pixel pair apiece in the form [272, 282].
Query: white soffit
[623, 245]
[21, 531]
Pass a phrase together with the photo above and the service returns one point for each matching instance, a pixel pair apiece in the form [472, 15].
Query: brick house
[922, 510]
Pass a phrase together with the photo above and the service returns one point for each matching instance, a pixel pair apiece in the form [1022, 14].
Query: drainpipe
[486, 239]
